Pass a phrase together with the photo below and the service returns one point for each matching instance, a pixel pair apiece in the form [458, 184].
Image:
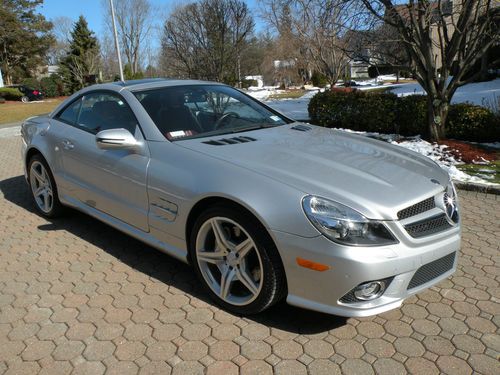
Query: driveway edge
[479, 188]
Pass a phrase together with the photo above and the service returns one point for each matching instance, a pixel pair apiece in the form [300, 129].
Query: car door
[111, 181]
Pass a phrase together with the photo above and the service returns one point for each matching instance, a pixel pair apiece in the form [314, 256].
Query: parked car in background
[264, 208]
[29, 94]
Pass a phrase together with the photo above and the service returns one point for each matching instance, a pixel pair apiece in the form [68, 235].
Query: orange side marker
[312, 265]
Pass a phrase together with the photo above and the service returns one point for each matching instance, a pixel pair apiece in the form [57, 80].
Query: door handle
[67, 145]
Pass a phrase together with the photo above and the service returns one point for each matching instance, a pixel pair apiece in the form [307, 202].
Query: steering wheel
[219, 123]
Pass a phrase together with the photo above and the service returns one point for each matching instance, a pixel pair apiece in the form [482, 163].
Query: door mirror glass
[116, 139]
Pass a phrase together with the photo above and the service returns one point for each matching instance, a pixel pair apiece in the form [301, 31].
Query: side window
[103, 111]
[70, 114]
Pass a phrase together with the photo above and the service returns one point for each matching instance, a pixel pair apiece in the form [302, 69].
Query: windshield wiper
[253, 127]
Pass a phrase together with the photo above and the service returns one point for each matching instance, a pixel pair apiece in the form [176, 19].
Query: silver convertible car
[262, 207]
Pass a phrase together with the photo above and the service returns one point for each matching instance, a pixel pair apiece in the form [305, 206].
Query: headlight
[344, 225]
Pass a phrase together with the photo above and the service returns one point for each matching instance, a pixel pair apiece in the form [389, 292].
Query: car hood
[374, 177]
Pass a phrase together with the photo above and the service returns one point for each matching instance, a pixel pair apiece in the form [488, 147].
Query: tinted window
[202, 110]
[103, 111]
[70, 114]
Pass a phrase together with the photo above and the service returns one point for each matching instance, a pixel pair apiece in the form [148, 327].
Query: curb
[10, 124]
[479, 188]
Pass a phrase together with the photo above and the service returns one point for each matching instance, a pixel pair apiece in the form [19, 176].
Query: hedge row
[51, 86]
[387, 113]
[8, 93]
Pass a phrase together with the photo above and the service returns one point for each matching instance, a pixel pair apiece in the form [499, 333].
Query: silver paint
[149, 188]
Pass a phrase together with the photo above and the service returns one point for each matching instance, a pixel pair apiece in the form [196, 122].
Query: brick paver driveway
[77, 295]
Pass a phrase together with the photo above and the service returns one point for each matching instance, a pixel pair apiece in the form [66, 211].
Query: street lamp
[117, 45]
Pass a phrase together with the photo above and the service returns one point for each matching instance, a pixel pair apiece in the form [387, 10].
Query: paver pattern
[77, 296]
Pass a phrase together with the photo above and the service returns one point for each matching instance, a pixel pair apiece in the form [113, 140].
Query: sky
[92, 10]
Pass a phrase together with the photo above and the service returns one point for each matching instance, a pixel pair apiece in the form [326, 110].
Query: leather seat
[176, 116]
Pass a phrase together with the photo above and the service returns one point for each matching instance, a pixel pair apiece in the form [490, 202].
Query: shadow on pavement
[160, 266]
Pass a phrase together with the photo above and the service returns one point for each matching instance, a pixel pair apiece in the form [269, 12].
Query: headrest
[106, 108]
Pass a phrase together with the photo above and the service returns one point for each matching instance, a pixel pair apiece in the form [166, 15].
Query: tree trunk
[437, 113]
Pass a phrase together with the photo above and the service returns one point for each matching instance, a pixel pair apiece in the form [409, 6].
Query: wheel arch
[210, 201]
[32, 152]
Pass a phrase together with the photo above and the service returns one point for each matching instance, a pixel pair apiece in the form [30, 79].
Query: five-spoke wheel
[236, 261]
[43, 187]
[229, 261]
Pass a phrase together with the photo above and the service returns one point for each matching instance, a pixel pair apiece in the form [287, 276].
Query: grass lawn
[288, 94]
[19, 111]
[489, 172]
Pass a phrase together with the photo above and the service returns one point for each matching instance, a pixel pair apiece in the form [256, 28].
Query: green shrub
[9, 93]
[32, 83]
[318, 80]
[49, 87]
[52, 86]
[246, 83]
[411, 115]
[472, 123]
[407, 116]
[357, 110]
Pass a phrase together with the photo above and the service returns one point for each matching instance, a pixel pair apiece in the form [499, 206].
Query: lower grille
[428, 226]
[432, 270]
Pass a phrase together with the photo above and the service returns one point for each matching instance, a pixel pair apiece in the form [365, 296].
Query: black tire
[57, 208]
[274, 284]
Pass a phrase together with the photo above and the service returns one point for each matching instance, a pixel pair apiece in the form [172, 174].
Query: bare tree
[322, 28]
[135, 21]
[109, 62]
[444, 39]
[62, 27]
[288, 55]
[205, 39]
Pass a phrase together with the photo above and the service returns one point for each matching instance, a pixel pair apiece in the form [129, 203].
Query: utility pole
[117, 45]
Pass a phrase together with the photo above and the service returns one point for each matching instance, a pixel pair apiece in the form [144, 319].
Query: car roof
[152, 83]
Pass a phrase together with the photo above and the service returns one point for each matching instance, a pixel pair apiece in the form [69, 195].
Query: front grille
[418, 208]
[432, 270]
[428, 226]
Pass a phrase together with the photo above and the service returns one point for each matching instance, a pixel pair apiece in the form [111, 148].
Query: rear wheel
[236, 261]
[43, 187]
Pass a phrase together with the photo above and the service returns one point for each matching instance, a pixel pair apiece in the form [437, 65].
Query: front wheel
[25, 99]
[236, 261]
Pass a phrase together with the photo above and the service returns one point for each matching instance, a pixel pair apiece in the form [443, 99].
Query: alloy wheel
[229, 261]
[41, 187]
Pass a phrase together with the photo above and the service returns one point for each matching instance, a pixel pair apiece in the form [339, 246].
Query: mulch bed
[468, 153]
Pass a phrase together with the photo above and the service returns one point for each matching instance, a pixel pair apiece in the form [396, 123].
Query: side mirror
[116, 139]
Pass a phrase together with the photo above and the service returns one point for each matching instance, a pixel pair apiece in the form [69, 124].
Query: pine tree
[24, 38]
[82, 60]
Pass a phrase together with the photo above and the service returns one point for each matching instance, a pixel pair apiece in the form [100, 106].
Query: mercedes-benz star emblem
[450, 207]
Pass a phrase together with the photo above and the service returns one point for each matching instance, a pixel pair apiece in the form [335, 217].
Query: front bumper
[351, 266]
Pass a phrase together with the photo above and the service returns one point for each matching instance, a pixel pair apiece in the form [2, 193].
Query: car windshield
[182, 112]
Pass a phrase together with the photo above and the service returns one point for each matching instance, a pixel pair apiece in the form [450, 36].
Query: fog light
[369, 290]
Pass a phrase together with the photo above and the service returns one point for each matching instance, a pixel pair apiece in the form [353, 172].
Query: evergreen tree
[24, 38]
[81, 64]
